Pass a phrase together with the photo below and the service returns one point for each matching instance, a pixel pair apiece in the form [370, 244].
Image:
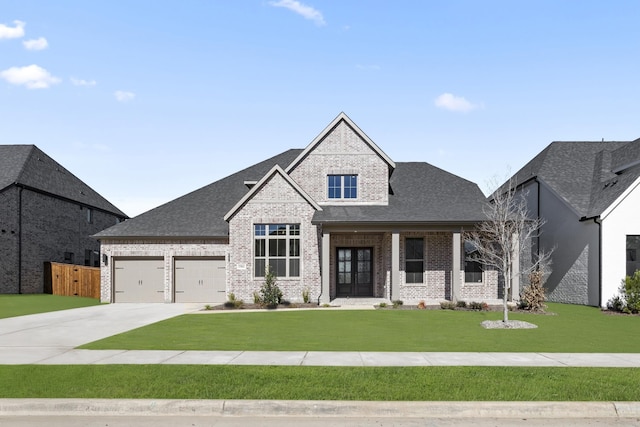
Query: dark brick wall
[51, 229]
[9, 241]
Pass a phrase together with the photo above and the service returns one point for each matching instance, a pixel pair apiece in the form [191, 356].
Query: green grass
[320, 383]
[20, 305]
[572, 328]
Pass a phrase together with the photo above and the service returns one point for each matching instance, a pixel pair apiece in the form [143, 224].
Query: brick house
[46, 215]
[338, 218]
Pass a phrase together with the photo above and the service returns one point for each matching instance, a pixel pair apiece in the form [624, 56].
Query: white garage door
[139, 280]
[200, 280]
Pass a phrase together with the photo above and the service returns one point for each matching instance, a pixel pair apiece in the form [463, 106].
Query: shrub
[533, 295]
[256, 298]
[628, 298]
[422, 305]
[270, 292]
[208, 307]
[474, 305]
[382, 304]
[233, 302]
[448, 305]
[397, 303]
[461, 304]
[306, 297]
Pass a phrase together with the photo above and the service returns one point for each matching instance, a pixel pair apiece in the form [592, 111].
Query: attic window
[342, 186]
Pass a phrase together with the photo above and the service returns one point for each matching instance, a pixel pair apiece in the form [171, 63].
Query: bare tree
[508, 232]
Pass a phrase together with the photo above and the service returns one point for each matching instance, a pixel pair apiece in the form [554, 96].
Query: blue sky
[148, 100]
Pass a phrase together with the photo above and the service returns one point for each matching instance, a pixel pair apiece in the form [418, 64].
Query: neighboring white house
[589, 194]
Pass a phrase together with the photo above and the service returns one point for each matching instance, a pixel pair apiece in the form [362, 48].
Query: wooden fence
[70, 280]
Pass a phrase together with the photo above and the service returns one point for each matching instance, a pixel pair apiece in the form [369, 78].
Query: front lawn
[319, 383]
[571, 329]
[20, 305]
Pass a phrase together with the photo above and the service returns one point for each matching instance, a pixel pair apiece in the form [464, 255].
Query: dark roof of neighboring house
[419, 193]
[30, 167]
[584, 174]
[201, 212]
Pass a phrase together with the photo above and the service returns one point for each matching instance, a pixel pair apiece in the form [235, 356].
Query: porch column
[325, 270]
[395, 265]
[515, 270]
[457, 263]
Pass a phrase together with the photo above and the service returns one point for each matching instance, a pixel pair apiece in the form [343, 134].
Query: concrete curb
[299, 408]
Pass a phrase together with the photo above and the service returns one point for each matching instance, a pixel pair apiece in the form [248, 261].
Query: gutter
[597, 220]
[20, 239]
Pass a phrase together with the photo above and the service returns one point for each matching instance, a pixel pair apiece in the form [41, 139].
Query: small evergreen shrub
[474, 305]
[270, 292]
[382, 304]
[628, 298]
[397, 303]
[306, 295]
[461, 304]
[256, 298]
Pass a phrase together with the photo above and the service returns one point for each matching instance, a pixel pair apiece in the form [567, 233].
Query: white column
[325, 271]
[395, 266]
[457, 264]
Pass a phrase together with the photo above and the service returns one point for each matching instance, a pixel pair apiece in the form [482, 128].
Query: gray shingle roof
[581, 172]
[29, 166]
[201, 212]
[420, 193]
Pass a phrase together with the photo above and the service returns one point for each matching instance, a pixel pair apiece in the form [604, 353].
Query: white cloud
[307, 12]
[36, 44]
[448, 101]
[16, 32]
[32, 76]
[82, 82]
[124, 96]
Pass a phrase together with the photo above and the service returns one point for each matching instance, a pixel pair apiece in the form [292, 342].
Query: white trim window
[342, 186]
[633, 254]
[414, 259]
[277, 246]
[473, 271]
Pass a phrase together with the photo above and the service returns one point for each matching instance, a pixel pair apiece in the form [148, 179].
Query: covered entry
[139, 280]
[354, 272]
[200, 280]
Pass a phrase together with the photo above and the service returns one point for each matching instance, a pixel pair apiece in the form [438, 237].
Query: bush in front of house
[628, 298]
[270, 293]
[533, 295]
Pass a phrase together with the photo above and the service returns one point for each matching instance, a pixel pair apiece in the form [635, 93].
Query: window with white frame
[414, 260]
[342, 186]
[277, 246]
[472, 268]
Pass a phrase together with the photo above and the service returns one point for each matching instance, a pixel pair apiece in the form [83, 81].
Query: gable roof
[420, 193]
[30, 167]
[276, 170]
[342, 117]
[200, 213]
[588, 176]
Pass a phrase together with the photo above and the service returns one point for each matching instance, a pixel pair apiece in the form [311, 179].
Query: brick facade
[38, 228]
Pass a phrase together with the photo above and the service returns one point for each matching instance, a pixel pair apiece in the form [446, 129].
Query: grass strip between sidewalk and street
[570, 329]
[320, 383]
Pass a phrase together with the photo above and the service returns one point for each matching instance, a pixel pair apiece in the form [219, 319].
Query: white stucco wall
[622, 218]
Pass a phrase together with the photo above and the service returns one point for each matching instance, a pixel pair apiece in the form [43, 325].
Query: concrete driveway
[29, 339]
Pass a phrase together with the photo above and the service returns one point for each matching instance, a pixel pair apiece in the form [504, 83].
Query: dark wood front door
[355, 272]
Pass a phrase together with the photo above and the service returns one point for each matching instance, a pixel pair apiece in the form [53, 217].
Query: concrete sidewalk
[65, 356]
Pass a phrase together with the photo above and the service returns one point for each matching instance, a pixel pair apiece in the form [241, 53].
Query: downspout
[598, 221]
[20, 240]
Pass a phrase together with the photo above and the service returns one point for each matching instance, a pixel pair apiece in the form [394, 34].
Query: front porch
[363, 266]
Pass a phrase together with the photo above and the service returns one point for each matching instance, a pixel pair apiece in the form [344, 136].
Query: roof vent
[250, 184]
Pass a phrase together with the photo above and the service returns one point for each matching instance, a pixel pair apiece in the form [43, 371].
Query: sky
[146, 101]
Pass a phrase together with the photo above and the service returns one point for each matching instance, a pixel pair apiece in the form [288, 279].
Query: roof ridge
[24, 164]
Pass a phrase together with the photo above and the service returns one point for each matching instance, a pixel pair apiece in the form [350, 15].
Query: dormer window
[342, 186]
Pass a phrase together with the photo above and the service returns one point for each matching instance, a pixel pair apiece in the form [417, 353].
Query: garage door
[139, 280]
[200, 280]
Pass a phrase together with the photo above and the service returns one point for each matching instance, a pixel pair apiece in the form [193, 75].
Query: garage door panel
[139, 280]
[200, 280]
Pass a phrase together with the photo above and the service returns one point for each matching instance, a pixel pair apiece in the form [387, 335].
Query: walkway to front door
[355, 272]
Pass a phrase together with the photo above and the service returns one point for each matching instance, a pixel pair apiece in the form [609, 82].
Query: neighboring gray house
[589, 194]
[46, 215]
[339, 218]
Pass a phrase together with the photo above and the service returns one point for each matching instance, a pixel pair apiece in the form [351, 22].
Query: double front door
[354, 272]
